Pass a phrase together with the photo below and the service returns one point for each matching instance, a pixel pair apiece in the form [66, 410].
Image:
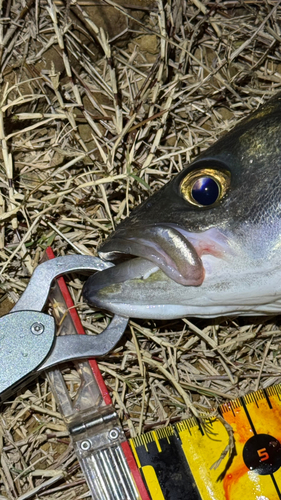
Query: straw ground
[102, 103]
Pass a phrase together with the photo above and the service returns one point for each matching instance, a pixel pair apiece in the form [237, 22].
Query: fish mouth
[146, 250]
[164, 246]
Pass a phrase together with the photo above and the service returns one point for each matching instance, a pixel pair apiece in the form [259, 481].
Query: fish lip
[163, 245]
[132, 269]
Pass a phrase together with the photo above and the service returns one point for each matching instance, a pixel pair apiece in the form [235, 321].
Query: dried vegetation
[101, 104]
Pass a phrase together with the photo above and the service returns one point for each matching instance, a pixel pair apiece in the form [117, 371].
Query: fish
[208, 243]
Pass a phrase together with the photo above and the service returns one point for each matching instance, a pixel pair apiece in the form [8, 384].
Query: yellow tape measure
[177, 462]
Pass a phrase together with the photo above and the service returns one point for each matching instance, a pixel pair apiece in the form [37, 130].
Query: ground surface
[101, 104]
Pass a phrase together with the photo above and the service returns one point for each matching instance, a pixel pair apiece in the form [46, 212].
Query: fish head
[208, 243]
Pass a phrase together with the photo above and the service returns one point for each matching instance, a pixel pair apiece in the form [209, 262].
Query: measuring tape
[177, 462]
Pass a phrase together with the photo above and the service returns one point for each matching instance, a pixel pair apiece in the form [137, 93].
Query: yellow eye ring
[205, 187]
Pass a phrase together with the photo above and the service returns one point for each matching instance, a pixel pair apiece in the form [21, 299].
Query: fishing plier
[28, 341]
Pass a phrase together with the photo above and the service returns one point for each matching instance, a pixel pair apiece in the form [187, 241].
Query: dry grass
[90, 127]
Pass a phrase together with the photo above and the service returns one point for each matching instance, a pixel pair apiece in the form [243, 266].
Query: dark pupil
[205, 191]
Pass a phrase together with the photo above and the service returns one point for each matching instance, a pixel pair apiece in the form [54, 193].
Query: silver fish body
[209, 242]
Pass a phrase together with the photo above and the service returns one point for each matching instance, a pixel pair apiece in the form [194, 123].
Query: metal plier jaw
[27, 335]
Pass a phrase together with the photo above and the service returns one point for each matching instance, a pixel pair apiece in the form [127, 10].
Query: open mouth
[164, 246]
[146, 250]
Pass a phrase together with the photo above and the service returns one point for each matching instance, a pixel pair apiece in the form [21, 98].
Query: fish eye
[205, 187]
